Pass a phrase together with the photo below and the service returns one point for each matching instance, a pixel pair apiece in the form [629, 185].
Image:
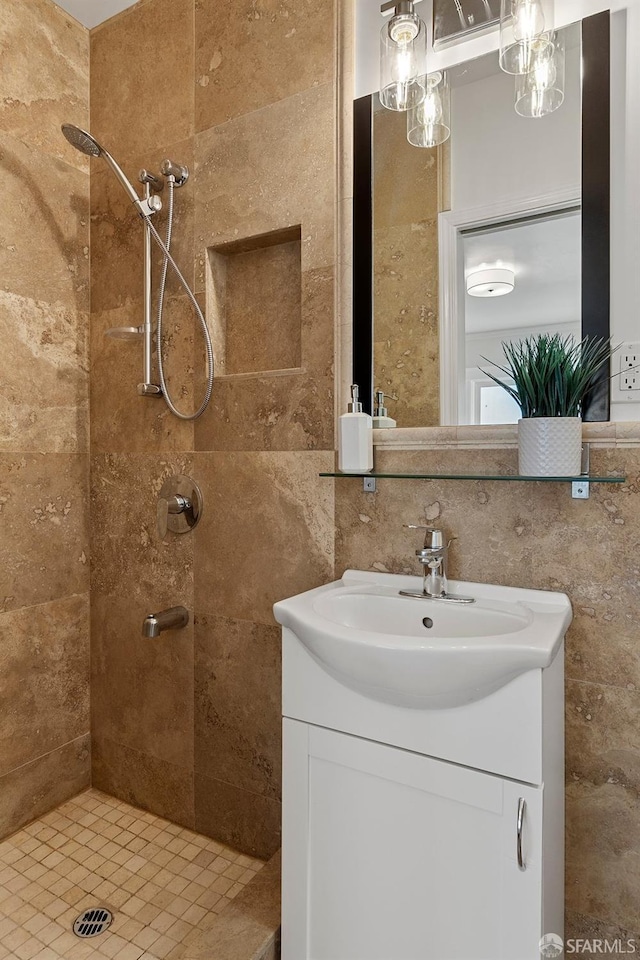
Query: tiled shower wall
[243, 91]
[44, 303]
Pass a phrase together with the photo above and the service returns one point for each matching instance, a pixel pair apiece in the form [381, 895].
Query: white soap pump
[381, 418]
[355, 437]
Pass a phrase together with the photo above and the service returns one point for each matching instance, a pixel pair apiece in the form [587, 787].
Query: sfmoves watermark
[553, 946]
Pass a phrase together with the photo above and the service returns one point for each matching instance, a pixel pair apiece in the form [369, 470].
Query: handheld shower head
[83, 141]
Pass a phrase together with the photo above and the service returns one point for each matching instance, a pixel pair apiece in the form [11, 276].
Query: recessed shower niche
[254, 303]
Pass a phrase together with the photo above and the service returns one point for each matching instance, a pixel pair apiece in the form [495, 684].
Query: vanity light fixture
[491, 282]
[541, 91]
[429, 123]
[403, 56]
[522, 35]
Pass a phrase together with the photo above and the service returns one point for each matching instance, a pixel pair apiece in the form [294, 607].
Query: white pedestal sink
[425, 653]
[423, 772]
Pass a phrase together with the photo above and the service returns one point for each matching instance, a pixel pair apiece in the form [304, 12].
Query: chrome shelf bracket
[580, 488]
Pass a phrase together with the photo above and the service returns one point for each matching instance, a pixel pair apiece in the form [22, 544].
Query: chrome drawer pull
[522, 805]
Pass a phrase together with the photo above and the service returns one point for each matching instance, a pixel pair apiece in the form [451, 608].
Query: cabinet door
[389, 855]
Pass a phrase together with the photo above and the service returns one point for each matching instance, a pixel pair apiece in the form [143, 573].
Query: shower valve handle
[173, 505]
[179, 505]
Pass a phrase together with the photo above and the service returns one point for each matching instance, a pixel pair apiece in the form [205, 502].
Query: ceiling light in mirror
[490, 282]
[429, 123]
[403, 57]
[541, 91]
[521, 35]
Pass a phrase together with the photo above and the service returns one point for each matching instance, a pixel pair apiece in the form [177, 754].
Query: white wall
[489, 344]
[498, 155]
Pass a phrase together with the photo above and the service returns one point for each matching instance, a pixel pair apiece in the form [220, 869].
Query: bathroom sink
[421, 652]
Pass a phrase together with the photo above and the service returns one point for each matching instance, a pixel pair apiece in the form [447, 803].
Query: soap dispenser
[355, 437]
[381, 420]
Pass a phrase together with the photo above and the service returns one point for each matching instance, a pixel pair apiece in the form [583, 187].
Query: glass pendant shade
[522, 35]
[541, 91]
[429, 123]
[403, 61]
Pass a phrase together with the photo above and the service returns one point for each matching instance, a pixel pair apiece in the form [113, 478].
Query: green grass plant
[553, 375]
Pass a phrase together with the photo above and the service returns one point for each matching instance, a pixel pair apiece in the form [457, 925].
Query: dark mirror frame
[595, 206]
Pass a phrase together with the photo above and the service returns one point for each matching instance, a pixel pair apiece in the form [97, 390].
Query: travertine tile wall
[44, 303]
[535, 535]
[243, 91]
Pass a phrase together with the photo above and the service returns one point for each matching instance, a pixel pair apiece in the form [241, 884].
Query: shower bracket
[149, 205]
[176, 172]
[149, 390]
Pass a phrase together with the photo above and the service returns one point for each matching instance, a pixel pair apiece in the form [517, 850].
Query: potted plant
[553, 377]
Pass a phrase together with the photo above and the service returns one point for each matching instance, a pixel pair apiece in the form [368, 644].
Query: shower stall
[140, 775]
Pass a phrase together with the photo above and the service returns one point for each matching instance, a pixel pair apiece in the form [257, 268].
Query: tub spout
[173, 618]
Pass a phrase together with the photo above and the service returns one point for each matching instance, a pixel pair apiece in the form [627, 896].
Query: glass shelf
[587, 478]
[579, 485]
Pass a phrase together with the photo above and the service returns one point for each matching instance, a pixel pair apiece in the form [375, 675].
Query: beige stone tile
[249, 54]
[268, 413]
[43, 783]
[238, 705]
[44, 389]
[45, 677]
[249, 186]
[247, 821]
[127, 72]
[144, 781]
[249, 925]
[276, 504]
[582, 927]
[37, 101]
[49, 261]
[44, 544]
[130, 559]
[601, 734]
[160, 724]
[603, 862]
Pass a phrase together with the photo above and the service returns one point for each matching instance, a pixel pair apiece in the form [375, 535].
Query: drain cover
[92, 922]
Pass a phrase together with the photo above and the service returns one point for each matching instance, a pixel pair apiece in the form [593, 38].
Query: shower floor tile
[163, 884]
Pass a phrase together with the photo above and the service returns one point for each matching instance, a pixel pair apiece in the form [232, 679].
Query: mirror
[526, 197]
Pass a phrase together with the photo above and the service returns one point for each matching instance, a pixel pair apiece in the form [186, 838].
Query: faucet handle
[437, 539]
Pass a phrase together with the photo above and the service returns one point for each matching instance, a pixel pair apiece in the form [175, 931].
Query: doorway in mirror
[540, 257]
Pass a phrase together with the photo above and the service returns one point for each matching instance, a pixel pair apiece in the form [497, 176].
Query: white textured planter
[550, 447]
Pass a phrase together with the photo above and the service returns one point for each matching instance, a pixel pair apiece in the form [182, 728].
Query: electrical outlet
[629, 378]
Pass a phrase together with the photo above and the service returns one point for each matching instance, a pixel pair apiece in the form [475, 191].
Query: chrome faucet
[433, 557]
[173, 618]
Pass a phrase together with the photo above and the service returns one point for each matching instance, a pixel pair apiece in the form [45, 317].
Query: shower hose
[165, 246]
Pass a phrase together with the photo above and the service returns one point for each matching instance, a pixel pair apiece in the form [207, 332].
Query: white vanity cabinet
[397, 845]
[393, 856]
